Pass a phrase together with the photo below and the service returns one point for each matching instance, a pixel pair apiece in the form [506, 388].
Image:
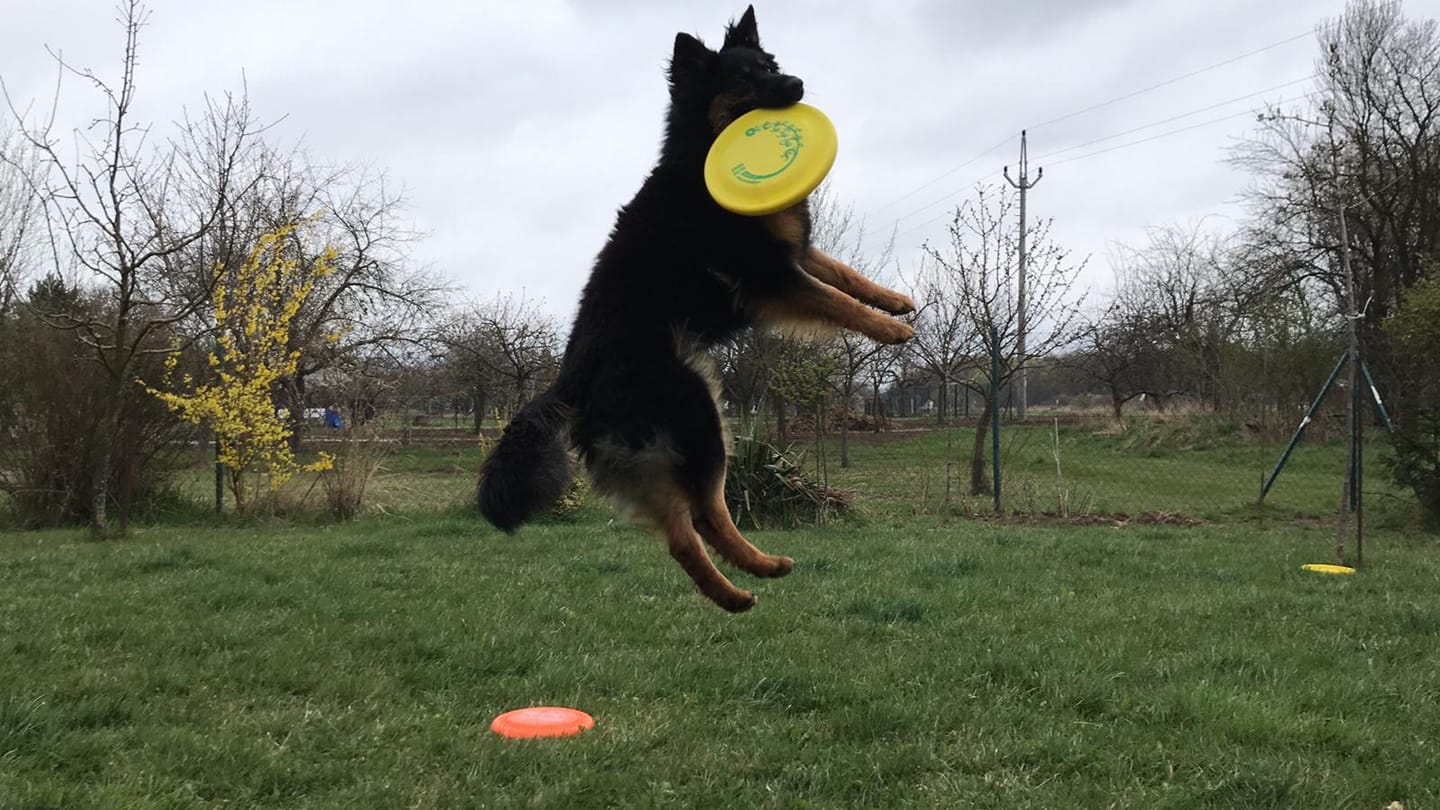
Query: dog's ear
[743, 33]
[691, 59]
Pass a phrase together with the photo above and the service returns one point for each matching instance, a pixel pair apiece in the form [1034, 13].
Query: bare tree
[376, 301]
[119, 212]
[838, 232]
[1121, 349]
[1369, 139]
[373, 301]
[1185, 289]
[971, 286]
[746, 366]
[18, 209]
[506, 349]
[885, 367]
[944, 343]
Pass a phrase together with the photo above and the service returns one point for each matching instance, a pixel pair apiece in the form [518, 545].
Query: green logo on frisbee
[789, 139]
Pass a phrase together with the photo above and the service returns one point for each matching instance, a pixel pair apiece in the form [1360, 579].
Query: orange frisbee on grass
[541, 721]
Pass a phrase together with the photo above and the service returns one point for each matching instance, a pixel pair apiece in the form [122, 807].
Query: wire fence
[1177, 466]
[1183, 464]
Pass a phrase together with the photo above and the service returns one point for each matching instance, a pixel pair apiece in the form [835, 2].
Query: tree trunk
[100, 489]
[478, 402]
[125, 487]
[109, 434]
[979, 483]
[876, 405]
[845, 435]
[296, 411]
[1117, 404]
[822, 459]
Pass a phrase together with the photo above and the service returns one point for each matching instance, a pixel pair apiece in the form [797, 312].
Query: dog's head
[728, 83]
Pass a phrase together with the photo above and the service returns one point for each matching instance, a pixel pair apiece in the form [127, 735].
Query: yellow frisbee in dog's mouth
[770, 159]
[1325, 568]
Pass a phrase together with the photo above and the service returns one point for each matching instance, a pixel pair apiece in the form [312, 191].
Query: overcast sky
[519, 127]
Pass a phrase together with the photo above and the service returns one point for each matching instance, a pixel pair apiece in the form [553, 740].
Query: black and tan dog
[637, 391]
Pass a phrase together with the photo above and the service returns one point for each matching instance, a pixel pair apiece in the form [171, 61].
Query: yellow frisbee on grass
[1326, 568]
[770, 159]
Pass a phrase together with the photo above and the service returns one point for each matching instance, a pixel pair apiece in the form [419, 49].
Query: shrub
[354, 464]
[766, 486]
[50, 438]
[1415, 332]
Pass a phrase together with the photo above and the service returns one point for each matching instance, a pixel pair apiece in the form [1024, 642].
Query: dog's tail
[529, 468]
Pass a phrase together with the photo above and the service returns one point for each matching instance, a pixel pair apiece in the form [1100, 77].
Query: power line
[942, 214]
[1167, 82]
[1115, 148]
[1196, 111]
[1113, 136]
[1191, 74]
[1165, 134]
[1090, 108]
[938, 178]
[1106, 103]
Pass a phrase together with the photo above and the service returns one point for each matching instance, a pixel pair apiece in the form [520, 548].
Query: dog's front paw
[893, 331]
[896, 304]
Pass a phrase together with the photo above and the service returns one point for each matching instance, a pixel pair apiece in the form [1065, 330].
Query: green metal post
[219, 468]
[219, 479]
[995, 411]
[1357, 402]
[1300, 431]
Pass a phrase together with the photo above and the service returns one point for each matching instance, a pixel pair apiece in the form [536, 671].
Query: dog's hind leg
[712, 520]
[848, 280]
[685, 547]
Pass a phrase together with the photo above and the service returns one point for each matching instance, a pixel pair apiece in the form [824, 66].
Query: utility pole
[1351, 497]
[1024, 184]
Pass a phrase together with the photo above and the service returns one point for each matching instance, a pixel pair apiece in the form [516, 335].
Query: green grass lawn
[906, 662]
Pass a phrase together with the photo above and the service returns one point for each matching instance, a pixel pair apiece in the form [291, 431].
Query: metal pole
[219, 354]
[1300, 431]
[1024, 185]
[1351, 449]
[219, 479]
[1358, 488]
[995, 411]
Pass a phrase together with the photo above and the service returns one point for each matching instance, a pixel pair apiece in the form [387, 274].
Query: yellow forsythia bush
[255, 305]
